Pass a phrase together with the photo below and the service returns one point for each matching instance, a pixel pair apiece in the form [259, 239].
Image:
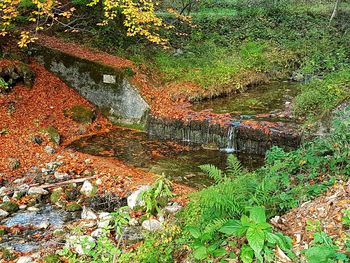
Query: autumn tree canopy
[138, 17]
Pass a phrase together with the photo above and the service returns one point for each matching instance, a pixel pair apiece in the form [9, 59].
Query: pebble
[32, 209]
[172, 209]
[6, 199]
[3, 191]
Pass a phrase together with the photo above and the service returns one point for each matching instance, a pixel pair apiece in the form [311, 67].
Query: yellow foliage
[139, 17]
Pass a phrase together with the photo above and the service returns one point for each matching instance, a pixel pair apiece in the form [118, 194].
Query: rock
[18, 194]
[98, 181]
[96, 233]
[61, 176]
[135, 199]
[9, 207]
[58, 232]
[3, 214]
[104, 220]
[19, 181]
[37, 139]
[25, 260]
[52, 258]
[32, 209]
[88, 189]
[152, 225]
[53, 165]
[22, 207]
[37, 191]
[14, 163]
[133, 233]
[72, 207]
[77, 243]
[49, 149]
[133, 222]
[53, 134]
[6, 199]
[81, 114]
[3, 191]
[88, 214]
[172, 209]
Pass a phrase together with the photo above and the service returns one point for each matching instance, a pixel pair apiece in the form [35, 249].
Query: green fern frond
[234, 167]
[213, 172]
[215, 225]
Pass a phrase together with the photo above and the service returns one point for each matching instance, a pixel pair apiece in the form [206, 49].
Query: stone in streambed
[88, 189]
[88, 214]
[25, 259]
[3, 214]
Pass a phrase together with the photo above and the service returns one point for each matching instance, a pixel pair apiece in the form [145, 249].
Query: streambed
[178, 161]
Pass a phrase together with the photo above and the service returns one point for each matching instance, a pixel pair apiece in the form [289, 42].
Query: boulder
[173, 208]
[135, 199]
[104, 220]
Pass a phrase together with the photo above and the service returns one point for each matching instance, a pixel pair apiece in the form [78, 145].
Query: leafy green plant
[204, 244]
[322, 248]
[158, 195]
[258, 234]
[346, 217]
[3, 85]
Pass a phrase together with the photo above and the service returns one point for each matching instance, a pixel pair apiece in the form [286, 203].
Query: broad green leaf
[245, 220]
[194, 231]
[256, 239]
[257, 214]
[247, 254]
[200, 253]
[233, 228]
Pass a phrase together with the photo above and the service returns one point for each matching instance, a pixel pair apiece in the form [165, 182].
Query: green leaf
[219, 252]
[320, 254]
[200, 253]
[257, 214]
[194, 231]
[233, 228]
[247, 254]
[256, 239]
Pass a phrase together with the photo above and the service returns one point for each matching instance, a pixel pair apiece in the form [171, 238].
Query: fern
[213, 172]
[215, 225]
[234, 167]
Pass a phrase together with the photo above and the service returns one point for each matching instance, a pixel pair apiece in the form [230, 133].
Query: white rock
[37, 191]
[32, 209]
[172, 209]
[61, 176]
[3, 191]
[88, 214]
[25, 260]
[22, 207]
[19, 181]
[161, 218]
[3, 214]
[152, 225]
[98, 181]
[87, 189]
[105, 219]
[135, 199]
[96, 233]
[6, 199]
[77, 242]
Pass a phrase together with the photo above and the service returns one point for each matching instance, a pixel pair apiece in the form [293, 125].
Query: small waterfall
[231, 140]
